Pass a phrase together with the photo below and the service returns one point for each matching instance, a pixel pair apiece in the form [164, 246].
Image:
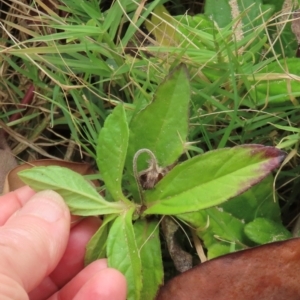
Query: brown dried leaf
[7, 160]
[266, 272]
[183, 261]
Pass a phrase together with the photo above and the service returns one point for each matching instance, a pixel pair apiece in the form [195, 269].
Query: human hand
[42, 258]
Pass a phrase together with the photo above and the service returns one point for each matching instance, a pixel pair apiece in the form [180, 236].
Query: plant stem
[135, 171]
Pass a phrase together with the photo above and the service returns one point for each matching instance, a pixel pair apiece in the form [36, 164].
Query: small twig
[198, 246]
[27, 99]
[22, 140]
[70, 150]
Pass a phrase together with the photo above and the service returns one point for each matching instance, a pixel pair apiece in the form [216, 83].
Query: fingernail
[47, 205]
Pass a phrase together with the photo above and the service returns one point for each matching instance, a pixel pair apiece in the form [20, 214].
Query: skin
[41, 254]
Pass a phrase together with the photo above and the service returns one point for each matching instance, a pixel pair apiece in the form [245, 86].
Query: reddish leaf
[271, 271]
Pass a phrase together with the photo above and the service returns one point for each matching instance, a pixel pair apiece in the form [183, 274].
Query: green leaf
[123, 253]
[80, 196]
[198, 30]
[222, 229]
[264, 231]
[247, 14]
[111, 151]
[219, 249]
[220, 13]
[162, 126]
[277, 82]
[148, 242]
[212, 178]
[161, 26]
[256, 202]
[220, 232]
[96, 247]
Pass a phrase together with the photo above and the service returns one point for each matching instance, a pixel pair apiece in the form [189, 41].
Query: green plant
[243, 79]
[140, 192]
[235, 93]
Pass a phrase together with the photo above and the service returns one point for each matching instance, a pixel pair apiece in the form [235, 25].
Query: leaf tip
[268, 152]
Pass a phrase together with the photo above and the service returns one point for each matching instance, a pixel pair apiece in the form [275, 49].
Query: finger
[72, 261]
[13, 201]
[34, 239]
[96, 281]
[105, 285]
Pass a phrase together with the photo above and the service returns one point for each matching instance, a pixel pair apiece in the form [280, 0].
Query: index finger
[13, 201]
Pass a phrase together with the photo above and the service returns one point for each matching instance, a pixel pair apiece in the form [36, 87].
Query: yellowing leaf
[162, 27]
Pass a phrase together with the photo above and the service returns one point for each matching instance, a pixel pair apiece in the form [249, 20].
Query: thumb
[32, 242]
